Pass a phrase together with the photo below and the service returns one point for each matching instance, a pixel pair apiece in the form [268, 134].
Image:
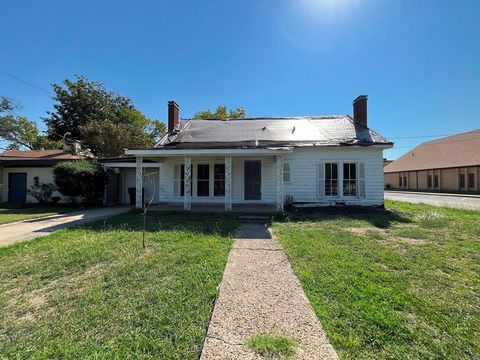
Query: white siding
[303, 176]
[303, 168]
[44, 174]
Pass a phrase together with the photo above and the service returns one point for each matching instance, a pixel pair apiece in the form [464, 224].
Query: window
[203, 179]
[471, 181]
[219, 180]
[429, 181]
[405, 182]
[400, 182]
[436, 181]
[462, 180]
[36, 182]
[179, 181]
[349, 179]
[331, 179]
[286, 172]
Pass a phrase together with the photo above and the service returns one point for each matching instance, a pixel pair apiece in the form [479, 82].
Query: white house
[314, 160]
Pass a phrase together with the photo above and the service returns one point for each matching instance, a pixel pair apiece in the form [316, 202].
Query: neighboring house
[386, 162]
[314, 160]
[19, 170]
[448, 164]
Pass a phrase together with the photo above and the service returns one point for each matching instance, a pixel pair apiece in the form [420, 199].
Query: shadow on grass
[206, 224]
[380, 218]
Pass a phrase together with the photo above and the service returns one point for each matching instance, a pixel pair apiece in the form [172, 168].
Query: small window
[219, 180]
[286, 172]
[471, 181]
[349, 179]
[36, 182]
[429, 181]
[203, 180]
[400, 182]
[405, 183]
[462, 180]
[331, 179]
[436, 181]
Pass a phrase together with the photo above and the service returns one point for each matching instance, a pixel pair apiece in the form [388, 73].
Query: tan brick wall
[450, 179]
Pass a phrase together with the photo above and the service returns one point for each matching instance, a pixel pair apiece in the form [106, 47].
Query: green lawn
[10, 214]
[93, 292]
[397, 285]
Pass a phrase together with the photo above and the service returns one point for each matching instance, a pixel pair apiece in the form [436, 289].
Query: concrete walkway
[460, 201]
[260, 295]
[29, 229]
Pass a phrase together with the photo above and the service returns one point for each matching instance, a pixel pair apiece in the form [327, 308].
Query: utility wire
[26, 82]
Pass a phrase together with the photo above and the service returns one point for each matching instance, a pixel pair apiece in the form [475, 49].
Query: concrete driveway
[471, 202]
[29, 229]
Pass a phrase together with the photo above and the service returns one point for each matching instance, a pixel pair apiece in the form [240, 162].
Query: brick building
[447, 164]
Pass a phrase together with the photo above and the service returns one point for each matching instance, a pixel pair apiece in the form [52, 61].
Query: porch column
[139, 183]
[280, 195]
[187, 198]
[228, 183]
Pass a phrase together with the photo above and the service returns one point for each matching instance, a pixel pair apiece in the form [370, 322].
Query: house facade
[448, 164]
[323, 160]
[19, 170]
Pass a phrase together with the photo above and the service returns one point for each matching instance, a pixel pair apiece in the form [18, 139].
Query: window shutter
[320, 180]
[361, 180]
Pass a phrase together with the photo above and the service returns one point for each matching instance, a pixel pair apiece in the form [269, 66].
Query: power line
[418, 137]
[25, 82]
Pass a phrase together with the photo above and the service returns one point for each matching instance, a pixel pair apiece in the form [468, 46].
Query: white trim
[129, 165]
[193, 152]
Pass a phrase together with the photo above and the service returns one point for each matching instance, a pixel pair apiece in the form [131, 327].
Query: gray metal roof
[268, 132]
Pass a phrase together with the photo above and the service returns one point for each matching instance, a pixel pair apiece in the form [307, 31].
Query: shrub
[42, 192]
[81, 178]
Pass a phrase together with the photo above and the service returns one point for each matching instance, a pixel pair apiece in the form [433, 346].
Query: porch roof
[208, 152]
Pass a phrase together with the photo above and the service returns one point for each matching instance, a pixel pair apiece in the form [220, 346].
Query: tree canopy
[103, 120]
[221, 113]
[18, 131]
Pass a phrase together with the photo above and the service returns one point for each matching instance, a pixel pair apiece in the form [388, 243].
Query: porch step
[253, 217]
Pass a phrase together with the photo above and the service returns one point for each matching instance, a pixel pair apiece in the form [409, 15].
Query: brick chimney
[360, 110]
[173, 111]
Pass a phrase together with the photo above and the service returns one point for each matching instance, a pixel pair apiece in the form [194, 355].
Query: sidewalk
[260, 295]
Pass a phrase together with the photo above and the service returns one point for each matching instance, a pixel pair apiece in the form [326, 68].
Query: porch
[201, 180]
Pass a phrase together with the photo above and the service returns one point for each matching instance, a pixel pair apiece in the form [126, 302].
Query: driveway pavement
[260, 295]
[29, 229]
[471, 202]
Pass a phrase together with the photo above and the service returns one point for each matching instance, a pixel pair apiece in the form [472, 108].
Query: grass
[273, 346]
[402, 284]
[93, 292]
[9, 214]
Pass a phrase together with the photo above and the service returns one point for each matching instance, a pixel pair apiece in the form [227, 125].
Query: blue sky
[417, 60]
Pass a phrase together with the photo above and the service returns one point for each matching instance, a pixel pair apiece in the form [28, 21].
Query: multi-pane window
[286, 172]
[462, 180]
[436, 181]
[203, 179]
[429, 180]
[179, 181]
[400, 181]
[349, 179]
[471, 181]
[219, 180]
[331, 179]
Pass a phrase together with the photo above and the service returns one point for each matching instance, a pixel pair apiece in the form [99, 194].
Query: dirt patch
[30, 305]
[365, 230]
[410, 240]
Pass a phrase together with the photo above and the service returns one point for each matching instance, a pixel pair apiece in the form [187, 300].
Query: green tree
[221, 113]
[103, 120]
[18, 131]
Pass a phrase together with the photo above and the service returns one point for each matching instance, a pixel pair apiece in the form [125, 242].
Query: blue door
[17, 188]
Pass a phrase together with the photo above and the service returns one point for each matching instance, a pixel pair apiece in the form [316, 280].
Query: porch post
[228, 183]
[139, 183]
[187, 198]
[280, 195]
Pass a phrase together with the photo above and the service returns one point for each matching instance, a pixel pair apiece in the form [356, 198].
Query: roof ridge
[450, 136]
[306, 117]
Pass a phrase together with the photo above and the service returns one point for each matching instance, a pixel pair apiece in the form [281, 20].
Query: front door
[17, 188]
[253, 180]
